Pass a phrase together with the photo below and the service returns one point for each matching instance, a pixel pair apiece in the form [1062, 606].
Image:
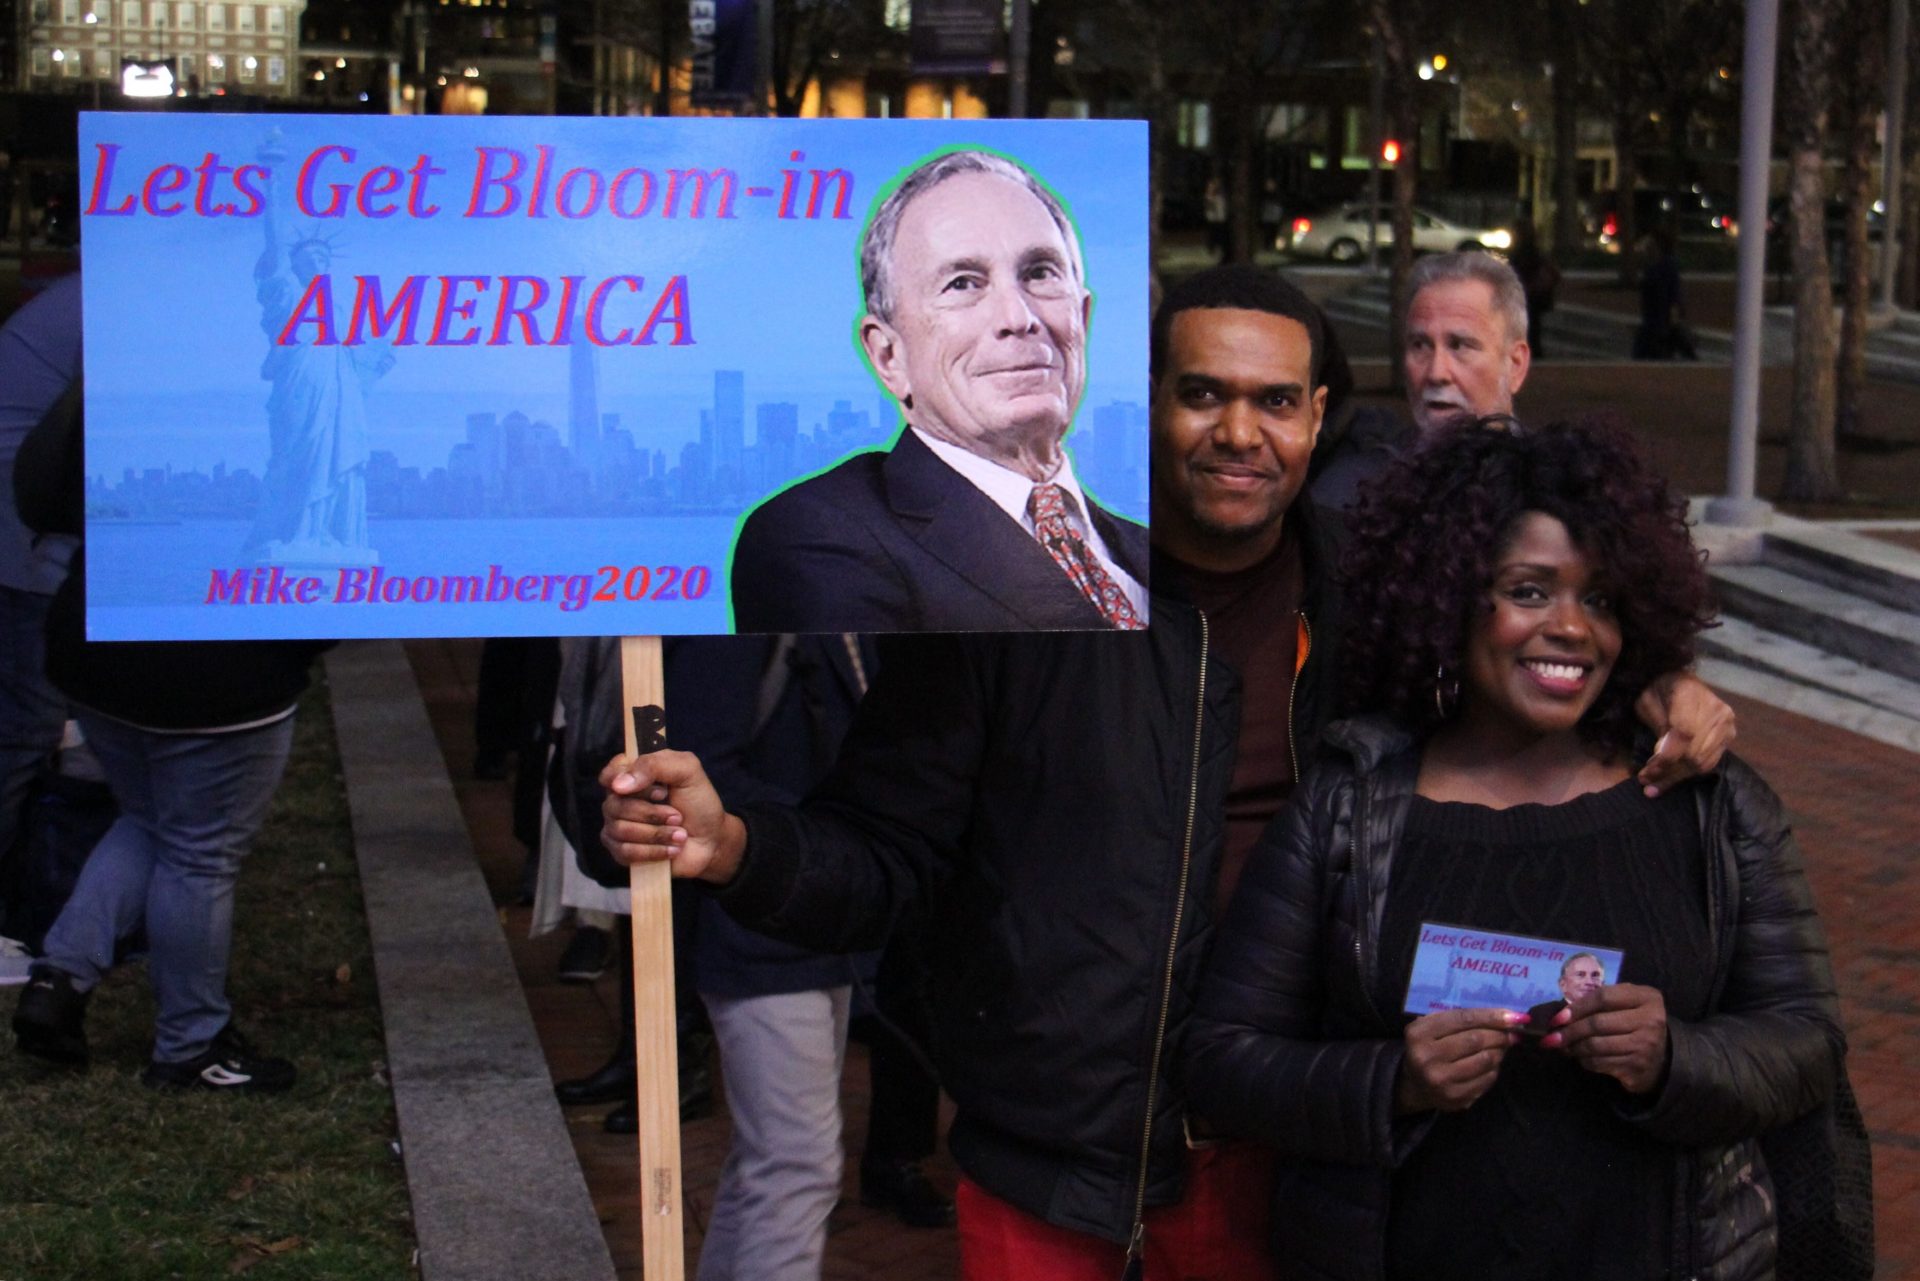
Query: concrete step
[1822, 616]
[1891, 728]
[1870, 567]
[1739, 641]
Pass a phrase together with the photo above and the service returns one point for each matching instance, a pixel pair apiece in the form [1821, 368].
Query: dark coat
[1058, 802]
[164, 685]
[765, 720]
[899, 541]
[1288, 1046]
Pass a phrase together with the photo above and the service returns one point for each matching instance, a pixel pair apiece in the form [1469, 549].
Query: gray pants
[781, 1058]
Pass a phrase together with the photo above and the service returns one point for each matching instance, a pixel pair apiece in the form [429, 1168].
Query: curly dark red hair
[1427, 533]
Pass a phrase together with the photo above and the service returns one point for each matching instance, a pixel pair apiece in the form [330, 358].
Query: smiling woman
[1512, 594]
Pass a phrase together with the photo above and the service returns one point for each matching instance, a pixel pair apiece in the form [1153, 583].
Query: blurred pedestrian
[1663, 328]
[193, 737]
[1540, 277]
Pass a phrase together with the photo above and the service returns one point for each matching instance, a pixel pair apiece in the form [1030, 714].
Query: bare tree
[1864, 25]
[1564, 22]
[1402, 27]
[1651, 67]
[808, 35]
[1135, 42]
[1812, 470]
[1230, 53]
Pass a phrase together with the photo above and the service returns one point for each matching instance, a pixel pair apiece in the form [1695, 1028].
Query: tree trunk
[663, 91]
[1405, 174]
[1241, 205]
[1402, 126]
[1812, 469]
[1564, 14]
[1626, 176]
[1863, 82]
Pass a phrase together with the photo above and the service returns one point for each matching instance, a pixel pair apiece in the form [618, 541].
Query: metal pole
[1896, 139]
[763, 60]
[1739, 506]
[1019, 38]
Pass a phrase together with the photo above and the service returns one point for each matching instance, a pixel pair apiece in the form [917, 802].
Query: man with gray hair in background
[976, 322]
[1464, 355]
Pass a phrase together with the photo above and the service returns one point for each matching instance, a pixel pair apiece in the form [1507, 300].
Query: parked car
[1691, 214]
[1834, 216]
[1341, 234]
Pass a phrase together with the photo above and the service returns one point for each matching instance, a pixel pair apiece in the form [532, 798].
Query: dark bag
[1822, 1168]
[61, 821]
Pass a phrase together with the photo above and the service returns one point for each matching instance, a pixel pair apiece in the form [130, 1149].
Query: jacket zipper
[1363, 909]
[1136, 1239]
[1304, 644]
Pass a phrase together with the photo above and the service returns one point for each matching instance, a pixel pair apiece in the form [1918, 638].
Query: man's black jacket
[1059, 802]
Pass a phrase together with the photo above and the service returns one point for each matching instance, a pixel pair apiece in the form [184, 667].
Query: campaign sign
[1456, 967]
[407, 376]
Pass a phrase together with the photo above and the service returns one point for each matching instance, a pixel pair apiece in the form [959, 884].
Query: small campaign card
[1459, 967]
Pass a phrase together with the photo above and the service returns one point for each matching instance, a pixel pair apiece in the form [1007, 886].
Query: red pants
[1216, 1232]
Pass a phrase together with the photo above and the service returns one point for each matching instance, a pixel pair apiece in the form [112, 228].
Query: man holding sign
[1077, 808]
[976, 322]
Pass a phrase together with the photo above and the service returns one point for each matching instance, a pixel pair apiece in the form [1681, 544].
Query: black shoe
[229, 1066]
[614, 1080]
[588, 954]
[50, 1021]
[696, 1102]
[904, 1188]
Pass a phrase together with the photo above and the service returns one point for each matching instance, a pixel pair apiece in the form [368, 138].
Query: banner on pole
[725, 48]
[957, 38]
[446, 376]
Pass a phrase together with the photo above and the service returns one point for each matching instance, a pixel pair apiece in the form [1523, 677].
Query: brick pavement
[1856, 812]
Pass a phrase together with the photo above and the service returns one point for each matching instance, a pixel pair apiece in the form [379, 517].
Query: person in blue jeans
[193, 737]
[39, 359]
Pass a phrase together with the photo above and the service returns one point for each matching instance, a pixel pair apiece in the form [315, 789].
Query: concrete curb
[497, 1192]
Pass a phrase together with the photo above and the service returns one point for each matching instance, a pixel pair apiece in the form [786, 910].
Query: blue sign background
[586, 471]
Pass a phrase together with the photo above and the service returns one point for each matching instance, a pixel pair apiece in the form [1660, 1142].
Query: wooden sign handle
[656, 1057]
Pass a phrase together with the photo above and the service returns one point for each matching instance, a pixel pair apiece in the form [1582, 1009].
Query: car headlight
[1497, 239]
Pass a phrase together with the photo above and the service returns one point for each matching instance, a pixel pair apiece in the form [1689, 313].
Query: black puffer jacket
[1058, 801]
[1289, 1047]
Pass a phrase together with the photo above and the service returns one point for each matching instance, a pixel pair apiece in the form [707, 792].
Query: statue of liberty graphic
[313, 507]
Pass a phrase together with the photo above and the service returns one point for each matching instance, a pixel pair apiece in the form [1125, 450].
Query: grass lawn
[103, 1179]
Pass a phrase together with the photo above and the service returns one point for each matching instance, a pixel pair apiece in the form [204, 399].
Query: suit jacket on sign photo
[900, 542]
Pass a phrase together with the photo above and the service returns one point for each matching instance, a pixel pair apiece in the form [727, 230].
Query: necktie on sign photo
[1048, 507]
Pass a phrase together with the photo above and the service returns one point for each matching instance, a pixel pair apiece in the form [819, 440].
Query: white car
[1341, 234]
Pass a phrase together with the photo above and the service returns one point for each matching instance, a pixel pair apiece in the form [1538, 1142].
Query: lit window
[102, 11]
[216, 68]
[70, 12]
[71, 68]
[247, 66]
[130, 13]
[183, 17]
[216, 17]
[42, 65]
[245, 15]
[276, 71]
[276, 20]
